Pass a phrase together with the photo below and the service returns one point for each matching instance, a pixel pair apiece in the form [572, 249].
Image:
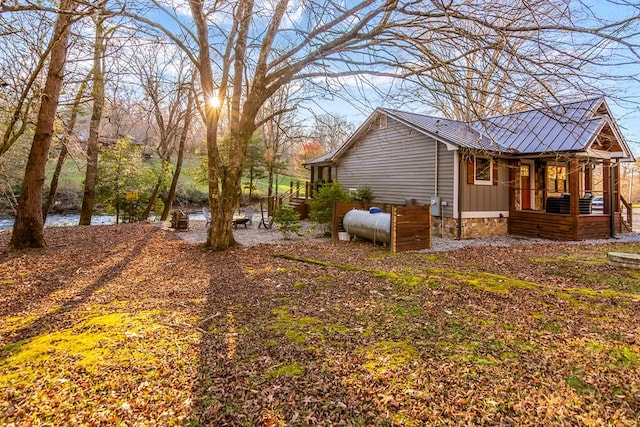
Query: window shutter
[495, 172]
[470, 171]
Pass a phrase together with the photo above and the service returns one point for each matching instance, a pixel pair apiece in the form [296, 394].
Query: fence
[410, 225]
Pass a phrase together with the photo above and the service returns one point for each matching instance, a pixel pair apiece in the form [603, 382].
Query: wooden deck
[561, 227]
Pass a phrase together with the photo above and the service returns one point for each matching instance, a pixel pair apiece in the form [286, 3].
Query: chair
[265, 221]
[249, 211]
[207, 214]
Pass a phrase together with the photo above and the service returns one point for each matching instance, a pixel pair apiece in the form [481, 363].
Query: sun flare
[214, 102]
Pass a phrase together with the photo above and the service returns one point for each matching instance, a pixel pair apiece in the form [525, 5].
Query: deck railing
[627, 206]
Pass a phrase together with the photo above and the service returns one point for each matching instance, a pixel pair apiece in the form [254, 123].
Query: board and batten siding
[486, 198]
[398, 163]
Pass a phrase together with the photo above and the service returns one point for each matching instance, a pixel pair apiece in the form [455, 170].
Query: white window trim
[475, 164]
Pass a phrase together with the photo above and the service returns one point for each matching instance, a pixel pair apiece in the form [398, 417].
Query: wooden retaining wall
[410, 225]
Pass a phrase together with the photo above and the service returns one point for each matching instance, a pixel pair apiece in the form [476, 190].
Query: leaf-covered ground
[129, 325]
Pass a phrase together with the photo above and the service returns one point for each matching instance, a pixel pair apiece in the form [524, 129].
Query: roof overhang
[372, 120]
[451, 146]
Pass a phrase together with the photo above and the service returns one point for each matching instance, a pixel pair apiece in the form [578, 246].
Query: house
[531, 173]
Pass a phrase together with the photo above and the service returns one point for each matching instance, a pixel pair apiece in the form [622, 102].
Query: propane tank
[371, 225]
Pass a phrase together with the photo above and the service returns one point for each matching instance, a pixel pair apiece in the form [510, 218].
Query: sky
[361, 102]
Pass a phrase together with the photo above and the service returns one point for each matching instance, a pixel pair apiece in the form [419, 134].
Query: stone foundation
[471, 227]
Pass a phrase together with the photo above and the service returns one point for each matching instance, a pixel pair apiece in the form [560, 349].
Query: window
[556, 178]
[483, 171]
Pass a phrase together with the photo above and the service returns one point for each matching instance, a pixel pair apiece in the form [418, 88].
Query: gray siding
[447, 180]
[479, 198]
[397, 163]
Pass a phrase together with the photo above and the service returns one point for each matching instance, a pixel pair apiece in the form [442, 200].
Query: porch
[563, 227]
[565, 213]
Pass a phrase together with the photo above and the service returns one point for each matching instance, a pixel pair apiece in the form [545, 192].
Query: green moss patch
[94, 343]
[491, 282]
[300, 329]
[290, 370]
[386, 356]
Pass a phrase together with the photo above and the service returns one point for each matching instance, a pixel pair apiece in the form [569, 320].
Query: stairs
[299, 205]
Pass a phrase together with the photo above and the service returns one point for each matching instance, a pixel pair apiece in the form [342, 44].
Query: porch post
[574, 187]
[311, 183]
[588, 178]
[616, 186]
[606, 176]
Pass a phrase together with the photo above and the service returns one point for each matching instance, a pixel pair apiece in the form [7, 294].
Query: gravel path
[252, 235]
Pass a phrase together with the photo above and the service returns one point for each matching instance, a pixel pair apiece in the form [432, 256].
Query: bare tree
[479, 58]
[331, 130]
[184, 133]
[25, 47]
[281, 132]
[64, 149]
[163, 73]
[257, 56]
[28, 229]
[93, 144]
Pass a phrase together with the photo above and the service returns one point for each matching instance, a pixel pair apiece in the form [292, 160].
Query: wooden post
[297, 189]
[588, 178]
[615, 175]
[606, 177]
[574, 187]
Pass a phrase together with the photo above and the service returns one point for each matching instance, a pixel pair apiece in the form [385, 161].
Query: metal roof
[323, 158]
[452, 131]
[569, 127]
[562, 128]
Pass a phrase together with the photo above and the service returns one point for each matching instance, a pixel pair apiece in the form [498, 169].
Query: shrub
[321, 206]
[363, 193]
[287, 220]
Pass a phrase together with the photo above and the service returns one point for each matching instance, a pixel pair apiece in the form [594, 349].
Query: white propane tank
[374, 226]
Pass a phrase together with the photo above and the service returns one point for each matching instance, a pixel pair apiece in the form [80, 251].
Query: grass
[73, 175]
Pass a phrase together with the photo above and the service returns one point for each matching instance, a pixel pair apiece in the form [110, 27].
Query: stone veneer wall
[471, 227]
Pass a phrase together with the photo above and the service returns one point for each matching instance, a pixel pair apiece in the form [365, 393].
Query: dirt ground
[133, 325]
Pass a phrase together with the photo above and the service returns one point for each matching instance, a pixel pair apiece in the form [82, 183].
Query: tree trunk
[28, 230]
[221, 203]
[166, 163]
[271, 177]
[183, 139]
[53, 186]
[88, 200]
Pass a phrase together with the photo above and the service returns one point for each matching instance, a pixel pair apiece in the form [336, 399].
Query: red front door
[525, 186]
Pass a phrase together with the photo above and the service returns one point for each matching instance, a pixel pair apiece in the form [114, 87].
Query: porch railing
[289, 197]
[629, 221]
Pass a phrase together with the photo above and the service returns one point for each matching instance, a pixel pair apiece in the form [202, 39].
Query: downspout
[435, 184]
[459, 197]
